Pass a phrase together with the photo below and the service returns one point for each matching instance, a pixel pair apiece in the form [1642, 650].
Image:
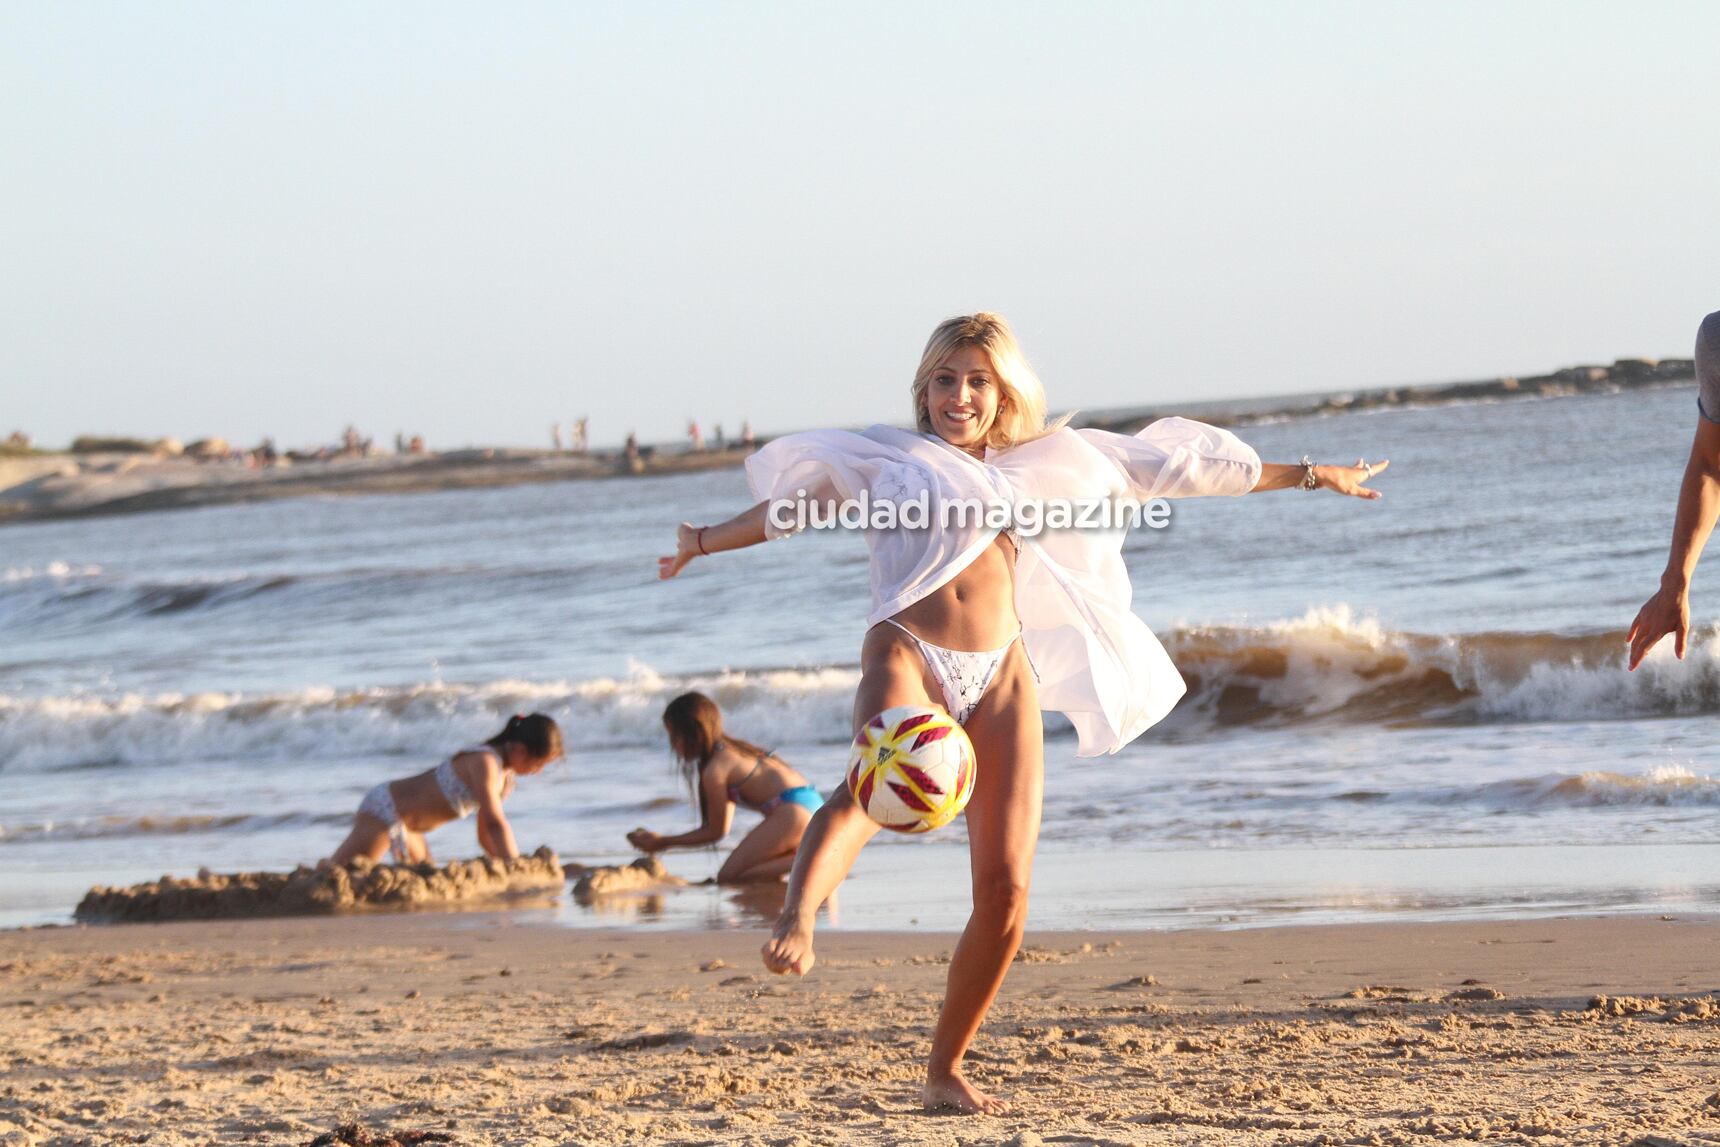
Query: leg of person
[1003, 830]
[417, 848]
[369, 837]
[892, 672]
[773, 869]
[767, 851]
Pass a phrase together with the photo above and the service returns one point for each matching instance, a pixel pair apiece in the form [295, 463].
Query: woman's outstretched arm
[744, 529]
[1668, 611]
[1349, 480]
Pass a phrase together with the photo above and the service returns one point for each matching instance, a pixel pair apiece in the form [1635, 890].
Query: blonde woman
[992, 624]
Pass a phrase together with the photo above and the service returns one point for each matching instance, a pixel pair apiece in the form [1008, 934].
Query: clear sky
[473, 220]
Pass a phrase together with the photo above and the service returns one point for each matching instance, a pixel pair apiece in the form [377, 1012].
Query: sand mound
[310, 891]
[642, 875]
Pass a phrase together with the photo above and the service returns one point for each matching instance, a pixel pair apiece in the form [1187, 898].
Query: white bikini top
[456, 791]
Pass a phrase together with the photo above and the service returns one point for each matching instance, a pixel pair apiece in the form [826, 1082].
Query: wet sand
[491, 1030]
[322, 891]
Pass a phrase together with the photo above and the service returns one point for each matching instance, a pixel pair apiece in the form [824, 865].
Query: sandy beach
[489, 1029]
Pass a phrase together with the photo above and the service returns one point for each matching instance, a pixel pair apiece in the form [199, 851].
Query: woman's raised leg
[1003, 830]
[892, 672]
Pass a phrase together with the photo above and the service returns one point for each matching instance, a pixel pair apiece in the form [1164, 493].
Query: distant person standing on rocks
[580, 441]
[555, 435]
[696, 435]
[1668, 611]
[746, 435]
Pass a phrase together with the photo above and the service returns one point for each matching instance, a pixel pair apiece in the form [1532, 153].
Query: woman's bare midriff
[975, 610]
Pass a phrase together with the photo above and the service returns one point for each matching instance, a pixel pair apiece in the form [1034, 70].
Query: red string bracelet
[700, 539]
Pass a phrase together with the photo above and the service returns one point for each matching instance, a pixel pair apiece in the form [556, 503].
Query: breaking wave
[1326, 667]
[1330, 666]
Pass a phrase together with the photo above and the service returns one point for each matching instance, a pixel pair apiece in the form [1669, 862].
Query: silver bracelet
[1308, 482]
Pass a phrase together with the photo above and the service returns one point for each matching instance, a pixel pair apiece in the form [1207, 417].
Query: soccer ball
[912, 768]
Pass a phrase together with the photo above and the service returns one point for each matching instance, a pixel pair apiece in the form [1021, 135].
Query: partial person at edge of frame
[1668, 611]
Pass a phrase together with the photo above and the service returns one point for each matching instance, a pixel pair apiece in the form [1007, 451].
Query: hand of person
[1668, 611]
[686, 549]
[645, 840]
[1350, 479]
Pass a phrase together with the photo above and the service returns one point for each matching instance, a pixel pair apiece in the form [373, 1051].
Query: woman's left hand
[645, 840]
[1350, 480]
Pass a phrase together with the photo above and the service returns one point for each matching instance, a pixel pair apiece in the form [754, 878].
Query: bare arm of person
[1349, 480]
[719, 815]
[747, 528]
[1668, 611]
[742, 530]
[495, 834]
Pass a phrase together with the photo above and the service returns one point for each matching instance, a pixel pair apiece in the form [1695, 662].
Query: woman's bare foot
[953, 1093]
[789, 948]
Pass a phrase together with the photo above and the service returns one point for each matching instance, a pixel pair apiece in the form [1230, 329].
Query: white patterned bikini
[379, 801]
[963, 675]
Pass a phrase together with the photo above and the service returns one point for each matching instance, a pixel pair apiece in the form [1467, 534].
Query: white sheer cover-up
[1098, 663]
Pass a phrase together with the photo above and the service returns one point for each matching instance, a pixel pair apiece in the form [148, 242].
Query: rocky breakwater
[322, 891]
[1624, 374]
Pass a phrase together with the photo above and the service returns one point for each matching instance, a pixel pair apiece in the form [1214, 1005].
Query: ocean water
[1415, 708]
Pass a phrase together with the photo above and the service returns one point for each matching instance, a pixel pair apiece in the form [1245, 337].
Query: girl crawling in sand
[992, 623]
[724, 771]
[395, 815]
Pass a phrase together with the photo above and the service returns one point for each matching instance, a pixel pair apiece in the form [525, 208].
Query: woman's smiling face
[962, 398]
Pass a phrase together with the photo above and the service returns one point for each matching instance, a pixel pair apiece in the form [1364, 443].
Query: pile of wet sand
[315, 892]
[647, 874]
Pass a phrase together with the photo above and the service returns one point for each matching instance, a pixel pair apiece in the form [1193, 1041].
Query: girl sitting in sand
[395, 815]
[725, 771]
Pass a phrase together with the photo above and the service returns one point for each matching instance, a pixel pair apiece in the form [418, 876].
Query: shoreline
[496, 1031]
[1164, 889]
[56, 487]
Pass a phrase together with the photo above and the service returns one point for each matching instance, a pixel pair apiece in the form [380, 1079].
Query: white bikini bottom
[379, 803]
[964, 675]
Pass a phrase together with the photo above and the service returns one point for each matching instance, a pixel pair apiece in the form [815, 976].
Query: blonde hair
[1021, 401]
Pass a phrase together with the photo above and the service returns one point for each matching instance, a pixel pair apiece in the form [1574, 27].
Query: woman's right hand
[1668, 611]
[645, 840]
[686, 549]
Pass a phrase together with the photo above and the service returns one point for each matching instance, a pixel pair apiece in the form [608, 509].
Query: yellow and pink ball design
[912, 769]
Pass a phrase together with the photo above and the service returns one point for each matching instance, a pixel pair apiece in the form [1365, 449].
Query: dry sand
[490, 1030]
